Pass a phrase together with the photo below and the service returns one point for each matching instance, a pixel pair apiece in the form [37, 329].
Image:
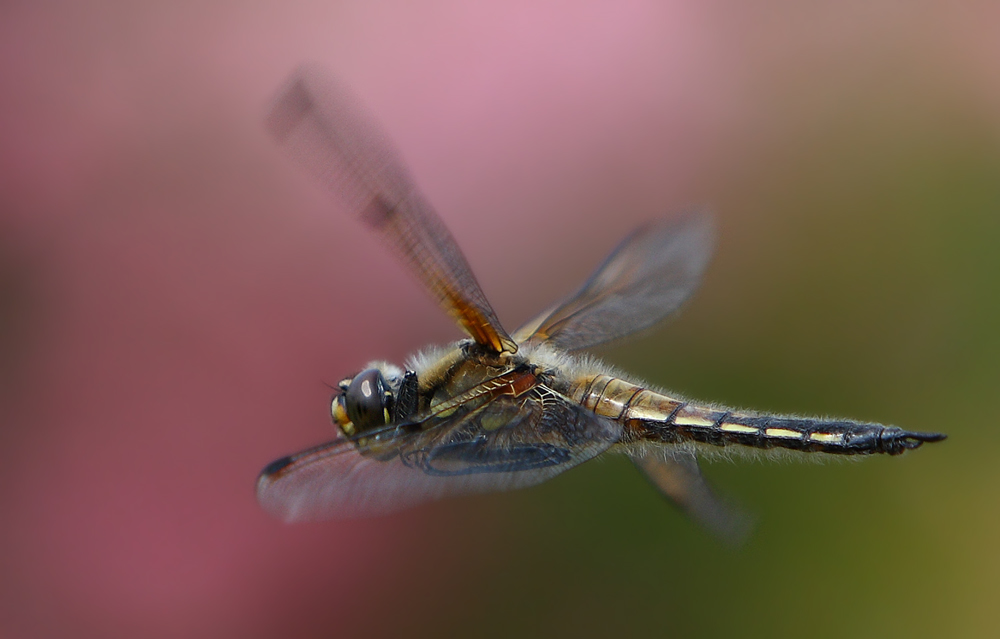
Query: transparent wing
[323, 129]
[651, 273]
[509, 443]
[679, 479]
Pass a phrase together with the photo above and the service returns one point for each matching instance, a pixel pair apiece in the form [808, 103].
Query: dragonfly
[498, 411]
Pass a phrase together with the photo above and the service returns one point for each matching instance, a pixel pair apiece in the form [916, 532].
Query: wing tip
[269, 494]
[288, 108]
[304, 91]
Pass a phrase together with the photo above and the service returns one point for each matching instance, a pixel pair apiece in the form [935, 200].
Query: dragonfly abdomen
[650, 416]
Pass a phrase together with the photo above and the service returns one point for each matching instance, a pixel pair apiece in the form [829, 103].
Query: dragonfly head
[364, 402]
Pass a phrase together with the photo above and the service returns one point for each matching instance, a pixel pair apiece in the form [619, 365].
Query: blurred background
[174, 297]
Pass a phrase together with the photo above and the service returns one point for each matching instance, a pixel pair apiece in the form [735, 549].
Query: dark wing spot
[378, 213]
[275, 467]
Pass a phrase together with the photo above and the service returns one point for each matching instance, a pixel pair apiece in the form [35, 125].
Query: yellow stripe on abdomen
[651, 416]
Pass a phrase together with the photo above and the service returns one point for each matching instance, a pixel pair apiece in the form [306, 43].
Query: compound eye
[367, 400]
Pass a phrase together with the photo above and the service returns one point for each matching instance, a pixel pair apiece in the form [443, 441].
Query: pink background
[174, 294]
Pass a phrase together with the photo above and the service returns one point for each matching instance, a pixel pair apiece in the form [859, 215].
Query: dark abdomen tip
[896, 440]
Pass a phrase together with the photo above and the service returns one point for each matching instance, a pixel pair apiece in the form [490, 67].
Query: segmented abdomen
[650, 416]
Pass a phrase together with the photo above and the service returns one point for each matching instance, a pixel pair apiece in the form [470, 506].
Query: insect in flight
[498, 411]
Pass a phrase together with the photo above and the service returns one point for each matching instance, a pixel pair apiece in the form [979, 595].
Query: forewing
[651, 273]
[319, 124]
[509, 443]
[679, 479]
